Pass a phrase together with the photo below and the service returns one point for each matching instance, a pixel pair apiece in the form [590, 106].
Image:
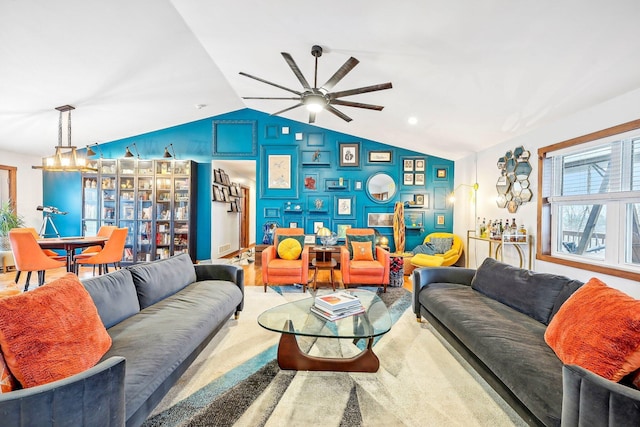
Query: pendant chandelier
[66, 158]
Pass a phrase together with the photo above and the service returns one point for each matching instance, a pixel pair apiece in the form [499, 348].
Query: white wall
[29, 186]
[614, 112]
[225, 226]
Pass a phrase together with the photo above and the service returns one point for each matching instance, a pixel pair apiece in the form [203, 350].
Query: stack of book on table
[337, 305]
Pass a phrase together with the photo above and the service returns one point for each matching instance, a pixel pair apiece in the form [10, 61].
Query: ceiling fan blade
[296, 70]
[264, 97]
[342, 71]
[287, 109]
[359, 90]
[357, 104]
[338, 113]
[312, 117]
[270, 83]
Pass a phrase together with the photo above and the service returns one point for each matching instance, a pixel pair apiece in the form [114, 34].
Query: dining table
[70, 244]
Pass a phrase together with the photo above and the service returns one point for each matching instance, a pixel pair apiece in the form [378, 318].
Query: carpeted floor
[236, 380]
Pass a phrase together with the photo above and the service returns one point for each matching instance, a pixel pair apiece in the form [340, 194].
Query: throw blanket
[427, 248]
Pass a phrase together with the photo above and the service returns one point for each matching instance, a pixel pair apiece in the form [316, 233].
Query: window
[589, 203]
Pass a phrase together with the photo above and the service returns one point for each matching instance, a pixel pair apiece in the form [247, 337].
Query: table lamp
[324, 234]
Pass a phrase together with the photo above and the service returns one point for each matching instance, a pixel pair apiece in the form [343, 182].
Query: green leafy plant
[9, 219]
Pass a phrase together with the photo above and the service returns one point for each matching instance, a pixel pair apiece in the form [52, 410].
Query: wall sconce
[129, 154]
[166, 154]
[452, 196]
[91, 152]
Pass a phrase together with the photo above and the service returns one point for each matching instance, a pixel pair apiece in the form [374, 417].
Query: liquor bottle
[522, 233]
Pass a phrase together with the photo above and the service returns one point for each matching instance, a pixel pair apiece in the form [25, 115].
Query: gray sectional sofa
[160, 315]
[496, 317]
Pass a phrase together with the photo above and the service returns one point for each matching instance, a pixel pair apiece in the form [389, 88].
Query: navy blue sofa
[160, 315]
[496, 317]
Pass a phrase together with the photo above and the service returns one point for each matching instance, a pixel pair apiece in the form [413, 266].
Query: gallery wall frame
[313, 223]
[380, 219]
[318, 204]
[349, 154]
[310, 182]
[380, 156]
[439, 220]
[227, 133]
[344, 206]
[441, 173]
[279, 172]
[342, 227]
[315, 139]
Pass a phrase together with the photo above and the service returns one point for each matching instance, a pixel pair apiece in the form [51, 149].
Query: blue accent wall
[248, 134]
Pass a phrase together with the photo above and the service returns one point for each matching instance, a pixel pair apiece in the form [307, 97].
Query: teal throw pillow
[442, 244]
[298, 237]
[361, 238]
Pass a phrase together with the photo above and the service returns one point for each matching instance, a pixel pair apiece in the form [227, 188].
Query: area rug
[237, 382]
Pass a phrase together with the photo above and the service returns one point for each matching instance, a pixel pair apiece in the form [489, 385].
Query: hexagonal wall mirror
[513, 183]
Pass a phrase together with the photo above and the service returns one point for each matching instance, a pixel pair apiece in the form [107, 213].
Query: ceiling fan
[318, 98]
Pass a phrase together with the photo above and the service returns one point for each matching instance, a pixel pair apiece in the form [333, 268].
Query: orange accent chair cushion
[51, 332]
[362, 251]
[598, 328]
[289, 249]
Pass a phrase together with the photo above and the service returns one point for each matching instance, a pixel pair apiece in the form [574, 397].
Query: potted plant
[8, 219]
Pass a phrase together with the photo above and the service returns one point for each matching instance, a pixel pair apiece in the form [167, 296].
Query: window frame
[545, 223]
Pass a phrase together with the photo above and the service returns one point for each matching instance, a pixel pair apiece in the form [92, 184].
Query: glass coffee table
[296, 318]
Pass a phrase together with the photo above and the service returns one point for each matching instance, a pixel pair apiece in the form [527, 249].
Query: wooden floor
[252, 277]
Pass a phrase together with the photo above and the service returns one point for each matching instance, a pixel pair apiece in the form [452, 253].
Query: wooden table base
[291, 357]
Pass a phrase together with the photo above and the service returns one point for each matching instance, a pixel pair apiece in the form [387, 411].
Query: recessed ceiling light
[412, 120]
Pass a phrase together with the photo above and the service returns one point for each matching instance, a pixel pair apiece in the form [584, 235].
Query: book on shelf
[337, 301]
[335, 316]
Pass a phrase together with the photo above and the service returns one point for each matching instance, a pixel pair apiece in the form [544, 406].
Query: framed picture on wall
[418, 179]
[380, 157]
[317, 225]
[419, 165]
[341, 230]
[440, 221]
[408, 179]
[309, 239]
[380, 220]
[345, 206]
[419, 199]
[349, 154]
[441, 173]
[293, 225]
[279, 172]
[407, 165]
[279, 177]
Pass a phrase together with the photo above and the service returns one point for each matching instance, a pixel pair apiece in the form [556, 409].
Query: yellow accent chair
[448, 258]
[276, 269]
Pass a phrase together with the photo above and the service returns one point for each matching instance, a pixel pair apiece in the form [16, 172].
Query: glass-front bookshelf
[154, 199]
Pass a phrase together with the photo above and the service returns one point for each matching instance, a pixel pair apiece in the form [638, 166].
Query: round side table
[323, 265]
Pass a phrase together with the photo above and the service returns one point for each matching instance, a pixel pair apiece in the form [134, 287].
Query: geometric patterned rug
[236, 380]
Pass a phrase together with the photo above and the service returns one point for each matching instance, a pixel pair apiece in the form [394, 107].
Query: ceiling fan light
[315, 102]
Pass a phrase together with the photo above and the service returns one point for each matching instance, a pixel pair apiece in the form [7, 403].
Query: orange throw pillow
[598, 328]
[362, 251]
[52, 332]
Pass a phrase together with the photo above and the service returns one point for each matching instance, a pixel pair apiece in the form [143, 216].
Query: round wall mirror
[381, 187]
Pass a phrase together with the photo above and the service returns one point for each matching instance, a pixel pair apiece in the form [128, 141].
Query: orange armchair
[29, 256]
[364, 272]
[283, 271]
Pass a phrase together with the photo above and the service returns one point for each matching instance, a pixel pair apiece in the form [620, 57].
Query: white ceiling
[474, 73]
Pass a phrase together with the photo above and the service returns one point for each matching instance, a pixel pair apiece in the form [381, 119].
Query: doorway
[8, 186]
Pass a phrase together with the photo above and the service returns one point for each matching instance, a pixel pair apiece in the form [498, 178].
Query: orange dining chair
[286, 262]
[103, 231]
[358, 265]
[29, 256]
[110, 254]
[53, 254]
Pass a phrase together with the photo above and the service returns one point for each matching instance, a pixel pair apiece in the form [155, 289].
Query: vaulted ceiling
[473, 73]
